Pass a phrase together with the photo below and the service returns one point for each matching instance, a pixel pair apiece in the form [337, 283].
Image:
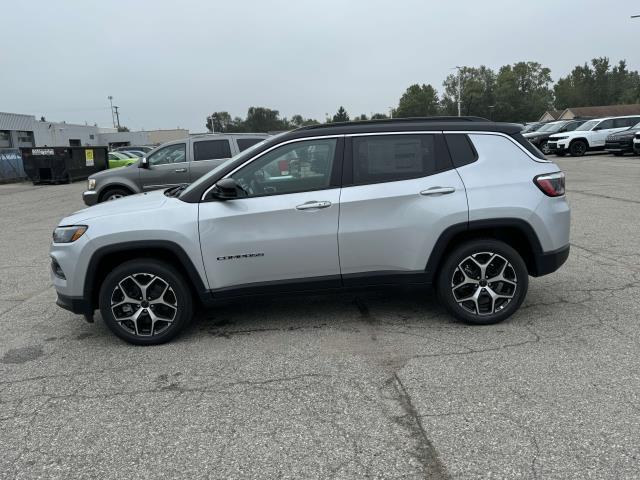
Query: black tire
[477, 312]
[114, 194]
[578, 148]
[544, 147]
[144, 331]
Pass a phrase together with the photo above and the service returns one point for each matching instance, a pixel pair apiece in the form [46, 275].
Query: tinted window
[605, 124]
[625, 122]
[297, 167]
[211, 150]
[171, 154]
[572, 126]
[244, 143]
[389, 158]
[530, 147]
[461, 149]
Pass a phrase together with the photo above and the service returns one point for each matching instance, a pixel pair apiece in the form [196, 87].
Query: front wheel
[578, 148]
[544, 148]
[145, 302]
[483, 282]
[114, 194]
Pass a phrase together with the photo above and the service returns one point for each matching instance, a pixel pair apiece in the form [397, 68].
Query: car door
[599, 134]
[283, 234]
[207, 155]
[400, 193]
[166, 167]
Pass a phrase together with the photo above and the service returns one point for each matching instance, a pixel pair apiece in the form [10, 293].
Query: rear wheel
[114, 194]
[544, 148]
[483, 282]
[145, 302]
[578, 148]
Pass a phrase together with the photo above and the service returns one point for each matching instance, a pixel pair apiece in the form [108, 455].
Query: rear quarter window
[461, 149]
[532, 149]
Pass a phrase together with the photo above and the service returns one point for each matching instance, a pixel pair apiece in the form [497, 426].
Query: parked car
[622, 142]
[589, 136]
[532, 127]
[541, 136]
[143, 148]
[469, 206]
[120, 159]
[135, 153]
[173, 163]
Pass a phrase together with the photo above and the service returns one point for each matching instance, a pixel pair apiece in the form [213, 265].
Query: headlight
[91, 184]
[68, 234]
[560, 138]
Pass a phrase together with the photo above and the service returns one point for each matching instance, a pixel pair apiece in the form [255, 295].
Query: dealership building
[20, 130]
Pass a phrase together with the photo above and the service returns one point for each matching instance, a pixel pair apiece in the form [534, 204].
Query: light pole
[117, 116]
[113, 118]
[459, 90]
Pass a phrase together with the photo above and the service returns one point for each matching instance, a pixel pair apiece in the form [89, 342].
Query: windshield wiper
[175, 191]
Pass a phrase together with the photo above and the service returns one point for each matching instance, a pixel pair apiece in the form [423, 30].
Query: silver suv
[466, 205]
[173, 163]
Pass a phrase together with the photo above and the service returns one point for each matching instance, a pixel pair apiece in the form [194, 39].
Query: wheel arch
[113, 186]
[107, 258]
[515, 232]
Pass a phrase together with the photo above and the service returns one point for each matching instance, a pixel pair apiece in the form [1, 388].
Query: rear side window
[244, 143]
[389, 158]
[211, 150]
[625, 122]
[461, 149]
[531, 148]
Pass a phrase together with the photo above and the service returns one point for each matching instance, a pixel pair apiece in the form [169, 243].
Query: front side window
[296, 167]
[211, 150]
[171, 154]
[389, 158]
[587, 126]
[605, 125]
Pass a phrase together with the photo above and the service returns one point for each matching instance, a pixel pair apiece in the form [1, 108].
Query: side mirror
[144, 163]
[226, 189]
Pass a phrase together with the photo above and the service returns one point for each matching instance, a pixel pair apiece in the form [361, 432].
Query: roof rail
[440, 119]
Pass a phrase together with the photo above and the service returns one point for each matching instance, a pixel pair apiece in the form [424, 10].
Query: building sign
[42, 151]
[88, 155]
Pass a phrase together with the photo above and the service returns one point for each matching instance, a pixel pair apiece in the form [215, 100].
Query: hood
[134, 203]
[533, 135]
[107, 172]
[629, 133]
[572, 133]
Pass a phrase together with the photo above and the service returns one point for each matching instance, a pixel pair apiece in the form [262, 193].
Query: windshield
[244, 154]
[551, 127]
[636, 127]
[531, 128]
[587, 126]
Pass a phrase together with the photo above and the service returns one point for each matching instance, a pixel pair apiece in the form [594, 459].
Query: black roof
[411, 124]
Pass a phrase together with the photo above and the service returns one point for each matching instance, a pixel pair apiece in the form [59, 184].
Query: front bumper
[77, 305]
[619, 147]
[558, 147]
[90, 197]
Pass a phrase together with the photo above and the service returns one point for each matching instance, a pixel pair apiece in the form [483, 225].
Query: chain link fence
[11, 169]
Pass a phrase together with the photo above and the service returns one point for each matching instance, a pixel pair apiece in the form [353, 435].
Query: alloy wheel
[484, 283]
[114, 196]
[545, 148]
[144, 304]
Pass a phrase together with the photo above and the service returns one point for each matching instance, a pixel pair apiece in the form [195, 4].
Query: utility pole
[117, 116]
[459, 90]
[113, 119]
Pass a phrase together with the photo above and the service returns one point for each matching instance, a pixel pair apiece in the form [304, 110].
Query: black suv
[622, 142]
[540, 137]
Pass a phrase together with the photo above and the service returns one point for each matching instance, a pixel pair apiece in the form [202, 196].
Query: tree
[340, 116]
[478, 92]
[361, 118]
[122, 128]
[298, 121]
[379, 116]
[261, 119]
[418, 101]
[219, 122]
[522, 92]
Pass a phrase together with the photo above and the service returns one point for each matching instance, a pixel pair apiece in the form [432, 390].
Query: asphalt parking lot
[373, 385]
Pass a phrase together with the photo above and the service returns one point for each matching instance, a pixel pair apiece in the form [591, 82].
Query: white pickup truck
[591, 135]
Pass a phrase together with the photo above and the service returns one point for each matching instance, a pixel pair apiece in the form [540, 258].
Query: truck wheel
[145, 302]
[483, 282]
[578, 148]
[114, 194]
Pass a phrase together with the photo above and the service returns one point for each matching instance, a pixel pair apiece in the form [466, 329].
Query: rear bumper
[549, 262]
[77, 305]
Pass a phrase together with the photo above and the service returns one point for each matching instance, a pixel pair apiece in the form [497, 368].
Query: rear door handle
[313, 205]
[180, 170]
[437, 191]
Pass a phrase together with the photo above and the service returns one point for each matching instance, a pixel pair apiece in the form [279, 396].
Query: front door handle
[313, 205]
[180, 170]
[437, 191]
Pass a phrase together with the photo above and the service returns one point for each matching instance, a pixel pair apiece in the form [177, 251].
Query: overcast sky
[170, 64]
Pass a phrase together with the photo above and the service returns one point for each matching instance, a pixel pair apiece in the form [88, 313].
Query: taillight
[551, 184]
